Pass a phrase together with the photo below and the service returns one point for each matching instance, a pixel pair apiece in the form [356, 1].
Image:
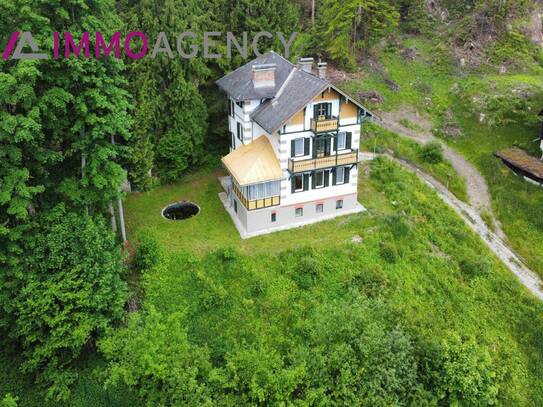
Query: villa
[294, 141]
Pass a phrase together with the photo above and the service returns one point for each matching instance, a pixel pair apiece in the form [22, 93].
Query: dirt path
[477, 188]
[473, 219]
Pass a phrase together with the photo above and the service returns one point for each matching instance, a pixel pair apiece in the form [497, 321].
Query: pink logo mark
[11, 43]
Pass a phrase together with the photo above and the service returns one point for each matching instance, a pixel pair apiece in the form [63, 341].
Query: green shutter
[293, 184]
[313, 180]
[335, 142]
[348, 138]
[306, 146]
[326, 178]
[315, 111]
[292, 148]
[334, 176]
[306, 182]
[347, 173]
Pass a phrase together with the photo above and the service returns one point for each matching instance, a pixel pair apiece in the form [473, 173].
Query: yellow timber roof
[253, 163]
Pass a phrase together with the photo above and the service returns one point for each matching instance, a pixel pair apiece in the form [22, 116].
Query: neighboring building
[294, 141]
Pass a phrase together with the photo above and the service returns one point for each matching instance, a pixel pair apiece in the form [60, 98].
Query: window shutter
[292, 184]
[326, 178]
[292, 148]
[329, 110]
[347, 171]
[334, 176]
[315, 111]
[313, 180]
[306, 146]
[348, 138]
[306, 182]
[335, 142]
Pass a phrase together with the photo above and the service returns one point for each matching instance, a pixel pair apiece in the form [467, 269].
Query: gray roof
[293, 90]
[299, 89]
[239, 83]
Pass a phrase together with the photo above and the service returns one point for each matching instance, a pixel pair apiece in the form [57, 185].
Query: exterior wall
[298, 127]
[258, 220]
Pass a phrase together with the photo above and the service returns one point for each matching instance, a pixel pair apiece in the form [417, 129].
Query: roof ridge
[282, 88]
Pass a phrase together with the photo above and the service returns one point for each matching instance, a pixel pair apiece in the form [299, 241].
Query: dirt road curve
[473, 219]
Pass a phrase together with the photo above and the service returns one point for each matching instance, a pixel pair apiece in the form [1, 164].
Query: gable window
[322, 110]
[299, 212]
[240, 104]
[341, 138]
[240, 131]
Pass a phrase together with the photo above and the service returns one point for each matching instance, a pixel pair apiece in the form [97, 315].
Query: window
[339, 204]
[341, 138]
[240, 131]
[319, 179]
[322, 110]
[240, 104]
[340, 175]
[320, 208]
[235, 206]
[262, 190]
[231, 108]
[298, 147]
[298, 183]
[273, 217]
[232, 140]
[299, 212]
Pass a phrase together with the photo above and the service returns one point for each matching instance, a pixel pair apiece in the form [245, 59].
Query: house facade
[294, 141]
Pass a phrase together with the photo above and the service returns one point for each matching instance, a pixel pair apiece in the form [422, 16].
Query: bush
[432, 153]
[8, 401]
[148, 252]
[463, 373]
[474, 267]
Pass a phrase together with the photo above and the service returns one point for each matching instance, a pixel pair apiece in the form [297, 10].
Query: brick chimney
[306, 64]
[264, 76]
[321, 67]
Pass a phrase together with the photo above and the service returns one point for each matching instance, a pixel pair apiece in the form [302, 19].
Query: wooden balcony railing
[323, 162]
[324, 125]
[256, 203]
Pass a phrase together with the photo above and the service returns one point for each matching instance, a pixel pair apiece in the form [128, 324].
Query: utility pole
[312, 12]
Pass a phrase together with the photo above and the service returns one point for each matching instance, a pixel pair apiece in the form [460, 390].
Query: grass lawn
[213, 228]
[436, 278]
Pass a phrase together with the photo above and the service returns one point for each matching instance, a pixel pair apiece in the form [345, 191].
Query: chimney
[321, 67]
[264, 76]
[306, 64]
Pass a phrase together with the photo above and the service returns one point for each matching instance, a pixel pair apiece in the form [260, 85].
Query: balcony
[324, 125]
[323, 162]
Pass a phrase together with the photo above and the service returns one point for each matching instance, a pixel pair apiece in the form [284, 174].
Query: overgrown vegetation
[417, 312]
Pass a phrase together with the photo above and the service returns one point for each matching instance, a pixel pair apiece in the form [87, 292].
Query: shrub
[389, 251]
[8, 401]
[475, 266]
[463, 373]
[148, 252]
[432, 153]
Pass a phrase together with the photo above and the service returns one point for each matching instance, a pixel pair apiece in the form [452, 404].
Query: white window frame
[302, 187]
[296, 141]
[298, 212]
[340, 181]
[338, 146]
[315, 175]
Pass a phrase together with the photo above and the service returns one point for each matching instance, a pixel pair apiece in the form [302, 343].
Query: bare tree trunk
[121, 210]
[121, 219]
[112, 217]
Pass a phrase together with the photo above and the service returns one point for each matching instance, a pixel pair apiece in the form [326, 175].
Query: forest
[419, 313]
